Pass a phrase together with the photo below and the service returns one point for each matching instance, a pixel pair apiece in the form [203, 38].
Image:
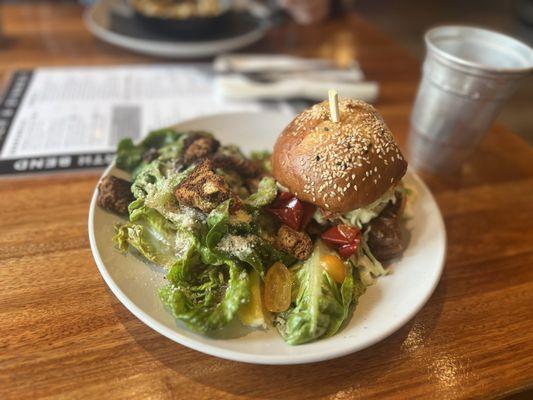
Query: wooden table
[63, 334]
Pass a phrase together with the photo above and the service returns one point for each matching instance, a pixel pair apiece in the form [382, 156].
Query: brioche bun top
[339, 166]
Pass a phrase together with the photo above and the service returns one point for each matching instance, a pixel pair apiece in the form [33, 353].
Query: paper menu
[68, 118]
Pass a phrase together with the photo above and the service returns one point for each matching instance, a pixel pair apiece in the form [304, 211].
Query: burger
[349, 172]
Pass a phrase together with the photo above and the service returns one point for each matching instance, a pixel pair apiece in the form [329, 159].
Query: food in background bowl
[185, 17]
[180, 9]
[237, 245]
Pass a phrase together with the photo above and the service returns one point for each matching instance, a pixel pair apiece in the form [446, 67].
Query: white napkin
[281, 77]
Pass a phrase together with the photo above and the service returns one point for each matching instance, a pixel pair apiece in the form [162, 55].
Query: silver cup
[468, 74]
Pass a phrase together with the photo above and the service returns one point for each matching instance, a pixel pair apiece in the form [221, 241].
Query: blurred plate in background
[113, 21]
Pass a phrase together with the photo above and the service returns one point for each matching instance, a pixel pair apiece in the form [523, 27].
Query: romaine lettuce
[245, 248]
[319, 306]
[157, 191]
[205, 297]
[364, 215]
[252, 250]
[266, 193]
[159, 138]
[130, 156]
[160, 195]
[370, 267]
[217, 222]
[149, 233]
[146, 178]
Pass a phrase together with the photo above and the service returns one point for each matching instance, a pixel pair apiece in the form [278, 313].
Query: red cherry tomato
[344, 237]
[341, 234]
[350, 233]
[290, 215]
[327, 214]
[283, 197]
[346, 250]
[291, 211]
[309, 210]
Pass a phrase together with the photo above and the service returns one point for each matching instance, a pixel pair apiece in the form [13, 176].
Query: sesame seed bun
[338, 166]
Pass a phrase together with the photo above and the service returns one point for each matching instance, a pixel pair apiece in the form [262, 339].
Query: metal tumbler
[468, 74]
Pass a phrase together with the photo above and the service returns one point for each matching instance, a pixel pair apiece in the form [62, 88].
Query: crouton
[114, 194]
[203, 189]
[296, 243]
[242, 166]
[198, 147]
[191, 137]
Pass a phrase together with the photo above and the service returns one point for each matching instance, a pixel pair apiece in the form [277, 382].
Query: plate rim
[234, 355]
[169, 48]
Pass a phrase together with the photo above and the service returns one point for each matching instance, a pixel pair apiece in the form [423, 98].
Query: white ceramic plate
[384, 308]
[114, 22]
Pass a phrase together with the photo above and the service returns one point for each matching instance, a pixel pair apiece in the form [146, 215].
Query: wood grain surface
[64, 335]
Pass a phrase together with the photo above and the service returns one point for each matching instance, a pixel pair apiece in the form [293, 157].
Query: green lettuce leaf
[369, 266]
[160, 196]
[148, 232]
[345, 295]
[205, 289]
[240, 247]
[217, 221]
[319, 305]
[157, 190]
[205, 297]
[160, 138]
[266, 193]
[146, 178]
[252, 250]
[130, 156]
[359, 287]
[171, 151]
[245, 248]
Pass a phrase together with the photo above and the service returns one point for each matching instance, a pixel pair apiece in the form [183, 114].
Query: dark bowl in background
[193, 27]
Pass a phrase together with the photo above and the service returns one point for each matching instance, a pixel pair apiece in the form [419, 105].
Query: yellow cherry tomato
[277, 294]
[334, 266]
